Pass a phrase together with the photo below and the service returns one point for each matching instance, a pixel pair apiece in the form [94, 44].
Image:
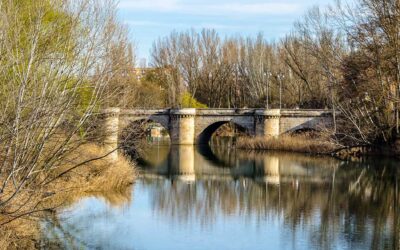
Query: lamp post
[268, 74]
[209, 82]
[280, 76]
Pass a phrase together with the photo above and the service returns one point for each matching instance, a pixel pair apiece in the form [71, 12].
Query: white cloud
[144, 23]
[209, 9]
[209, 25]
[154, 5]
[254, 8]
[218, 26]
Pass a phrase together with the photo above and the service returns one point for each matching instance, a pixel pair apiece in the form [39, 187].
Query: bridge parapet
[225, 112]
[305, 112]
[145, 112]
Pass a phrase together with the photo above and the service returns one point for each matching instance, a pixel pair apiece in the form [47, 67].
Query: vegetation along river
[218, 197]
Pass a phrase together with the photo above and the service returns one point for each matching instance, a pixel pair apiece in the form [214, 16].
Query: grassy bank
[110, 180]
[293, 143]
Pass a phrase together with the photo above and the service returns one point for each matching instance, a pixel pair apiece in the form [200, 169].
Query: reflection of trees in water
[354, 202]
[152, 155]
[62, 233]
[336, 210]
[374, 198]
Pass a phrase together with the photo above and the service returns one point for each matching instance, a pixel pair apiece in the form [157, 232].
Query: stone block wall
[182, 126]
[319, 121]
[111, 119]
[186, 126]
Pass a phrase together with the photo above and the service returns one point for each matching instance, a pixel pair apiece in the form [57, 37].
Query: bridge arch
[205, 132]
[138, 124]
[290, 124]
[128, 120]
[302, 130]
[134, 130]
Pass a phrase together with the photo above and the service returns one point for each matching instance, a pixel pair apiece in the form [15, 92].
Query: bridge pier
[111, 117]
[182, 162]
[267, 122]
[182, 128]
[268, 168]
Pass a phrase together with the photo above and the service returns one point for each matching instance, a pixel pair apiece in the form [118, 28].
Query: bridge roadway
[196, 126]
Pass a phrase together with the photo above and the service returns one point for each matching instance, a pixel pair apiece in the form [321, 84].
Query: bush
[189, 102]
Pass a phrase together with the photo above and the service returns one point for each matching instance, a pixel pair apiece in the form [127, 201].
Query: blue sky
[150, 19]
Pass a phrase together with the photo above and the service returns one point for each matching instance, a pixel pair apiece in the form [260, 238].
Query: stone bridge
[196, 126]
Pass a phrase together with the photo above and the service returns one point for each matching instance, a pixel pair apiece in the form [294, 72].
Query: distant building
[139, 73]
[157, 133]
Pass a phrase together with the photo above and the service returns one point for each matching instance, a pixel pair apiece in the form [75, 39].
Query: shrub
[189, 102]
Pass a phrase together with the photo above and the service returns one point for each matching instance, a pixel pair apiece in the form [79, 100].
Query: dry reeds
[292, 143]
[104, 175]
[100, 178]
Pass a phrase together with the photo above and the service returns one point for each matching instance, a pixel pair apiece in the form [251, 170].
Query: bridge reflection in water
[199, 162]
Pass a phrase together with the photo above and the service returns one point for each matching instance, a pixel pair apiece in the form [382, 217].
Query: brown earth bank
[110, 180]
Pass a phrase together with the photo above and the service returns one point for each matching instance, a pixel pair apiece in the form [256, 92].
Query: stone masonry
[196, 126]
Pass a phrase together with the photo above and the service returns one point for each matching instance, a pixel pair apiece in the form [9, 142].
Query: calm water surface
[221, 198]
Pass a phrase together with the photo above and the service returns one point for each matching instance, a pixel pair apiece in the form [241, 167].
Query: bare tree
[345, 58]
[54, 67]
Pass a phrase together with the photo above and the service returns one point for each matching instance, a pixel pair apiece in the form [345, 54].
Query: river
[218, 197]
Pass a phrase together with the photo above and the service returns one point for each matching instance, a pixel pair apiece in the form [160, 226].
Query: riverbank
[317, 144]
[93, 178]
[291, 143]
